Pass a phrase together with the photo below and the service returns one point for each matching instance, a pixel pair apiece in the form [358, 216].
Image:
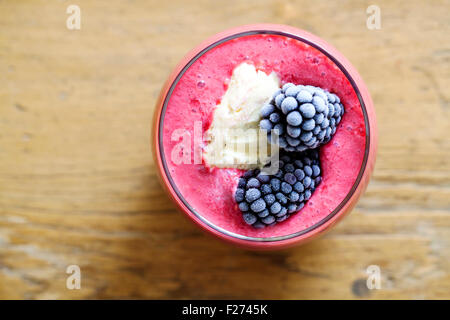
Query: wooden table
[78, 184]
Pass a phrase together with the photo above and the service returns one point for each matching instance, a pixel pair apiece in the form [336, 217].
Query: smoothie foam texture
[236, 119]
[265, 200]
[306, 117]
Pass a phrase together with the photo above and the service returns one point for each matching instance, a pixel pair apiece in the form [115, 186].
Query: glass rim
[318, 224]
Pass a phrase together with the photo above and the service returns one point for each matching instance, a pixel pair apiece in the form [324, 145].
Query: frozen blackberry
[305, 116]
[265, 200]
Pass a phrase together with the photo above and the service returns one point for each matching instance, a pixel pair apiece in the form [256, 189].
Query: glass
[369, 153]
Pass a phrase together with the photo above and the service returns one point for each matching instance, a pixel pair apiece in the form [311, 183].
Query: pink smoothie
[210, 191]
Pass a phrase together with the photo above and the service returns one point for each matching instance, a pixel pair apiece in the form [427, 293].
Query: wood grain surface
[77, 179]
